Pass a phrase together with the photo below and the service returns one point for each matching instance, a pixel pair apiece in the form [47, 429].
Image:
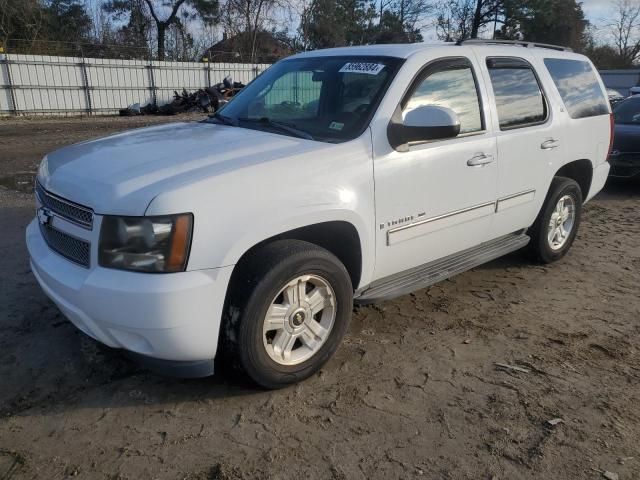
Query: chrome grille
[74, 249]
[73, 212]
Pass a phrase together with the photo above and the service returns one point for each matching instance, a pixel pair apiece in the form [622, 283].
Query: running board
[438, 270]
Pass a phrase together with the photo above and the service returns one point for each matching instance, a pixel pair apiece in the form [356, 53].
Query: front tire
[557, 224]
[289, 307]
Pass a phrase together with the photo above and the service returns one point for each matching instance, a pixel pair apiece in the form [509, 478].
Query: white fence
[38, 84]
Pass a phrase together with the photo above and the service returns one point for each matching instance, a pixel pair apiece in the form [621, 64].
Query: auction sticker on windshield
[362, 67]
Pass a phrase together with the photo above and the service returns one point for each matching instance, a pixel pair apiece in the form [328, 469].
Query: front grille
[74, 249]
[73, 212]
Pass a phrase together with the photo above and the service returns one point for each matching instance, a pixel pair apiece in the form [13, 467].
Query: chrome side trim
[515, 199]
[500, 204]
[395, 231]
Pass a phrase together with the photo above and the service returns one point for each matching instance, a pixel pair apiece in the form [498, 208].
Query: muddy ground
[414, 391]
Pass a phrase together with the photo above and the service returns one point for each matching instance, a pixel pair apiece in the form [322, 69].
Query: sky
[596, 11]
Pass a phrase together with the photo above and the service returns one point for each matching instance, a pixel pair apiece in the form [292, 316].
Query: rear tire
[557, 224]
[289, 307]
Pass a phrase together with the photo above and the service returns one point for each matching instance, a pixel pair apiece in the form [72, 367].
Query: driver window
[294, 94]
[453, 88]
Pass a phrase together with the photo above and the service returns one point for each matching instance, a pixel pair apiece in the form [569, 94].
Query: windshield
[628, 112]
[329, 99]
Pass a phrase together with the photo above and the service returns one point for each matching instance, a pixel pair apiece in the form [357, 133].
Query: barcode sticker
[362, 67]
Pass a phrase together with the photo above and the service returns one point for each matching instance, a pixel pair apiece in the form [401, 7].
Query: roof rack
[521, 43]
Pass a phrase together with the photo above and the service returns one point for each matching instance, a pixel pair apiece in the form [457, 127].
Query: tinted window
[454, 88]
[328, 98]
[518, 96]
[578, 86]
[293, 88]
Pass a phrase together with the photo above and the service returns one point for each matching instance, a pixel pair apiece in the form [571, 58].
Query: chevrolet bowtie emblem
[45, 216]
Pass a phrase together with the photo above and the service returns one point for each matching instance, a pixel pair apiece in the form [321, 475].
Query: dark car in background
[614, 97]
[625, 154]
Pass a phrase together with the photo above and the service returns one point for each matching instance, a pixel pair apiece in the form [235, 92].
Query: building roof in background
[266, 48]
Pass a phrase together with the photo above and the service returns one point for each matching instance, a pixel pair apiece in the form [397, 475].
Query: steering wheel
[361, 109]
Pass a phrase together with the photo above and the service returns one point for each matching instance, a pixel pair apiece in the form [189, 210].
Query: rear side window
[519, 99]
[578, 86]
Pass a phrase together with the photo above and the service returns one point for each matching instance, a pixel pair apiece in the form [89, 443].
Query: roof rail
[521, 43]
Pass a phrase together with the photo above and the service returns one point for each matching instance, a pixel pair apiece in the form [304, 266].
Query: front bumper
[173, 317]
[625, 165]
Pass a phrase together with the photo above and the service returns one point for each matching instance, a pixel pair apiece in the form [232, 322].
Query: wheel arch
[581, 171]
[339, 237]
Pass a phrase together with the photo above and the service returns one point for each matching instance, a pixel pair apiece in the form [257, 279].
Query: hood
[626, 138]
[122, 173]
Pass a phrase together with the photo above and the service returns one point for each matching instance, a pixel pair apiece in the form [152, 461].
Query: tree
[163, 14]
[463, 19]
[20, 19]
[67, 20]
[392, 29]
[161, 25]
[604, 57]
[452, 23]
[247, 19]
[35, 26]
[625, 30]
[134, 36]
[559, 22]
[334, 23]
[320, 25]
[485, 12]
[403, 20]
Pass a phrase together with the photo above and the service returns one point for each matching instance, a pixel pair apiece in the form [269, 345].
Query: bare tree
[462, 19]
[625, 30]
[162, 25]
[165, 15]
[245, 19]
[412, 13]
[454, 20]
[22, 19]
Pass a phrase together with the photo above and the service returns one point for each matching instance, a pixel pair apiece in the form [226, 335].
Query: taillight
[612, 123]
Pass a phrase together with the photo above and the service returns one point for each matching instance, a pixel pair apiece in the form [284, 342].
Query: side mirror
[427, 122]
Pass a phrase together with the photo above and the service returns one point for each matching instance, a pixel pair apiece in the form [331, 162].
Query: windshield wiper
[224, 120]
[284, 127]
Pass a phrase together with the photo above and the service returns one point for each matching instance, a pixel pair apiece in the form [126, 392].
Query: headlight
[43, 169]
[146, 244]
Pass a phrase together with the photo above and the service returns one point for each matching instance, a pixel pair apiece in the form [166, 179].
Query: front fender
[267, 230]
[241, 208]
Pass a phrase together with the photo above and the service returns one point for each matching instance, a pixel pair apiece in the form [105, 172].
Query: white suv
[352, 173]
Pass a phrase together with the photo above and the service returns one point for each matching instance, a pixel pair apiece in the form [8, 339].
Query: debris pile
[209, 99]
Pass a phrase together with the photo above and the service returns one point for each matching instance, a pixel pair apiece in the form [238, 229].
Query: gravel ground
[414, 392]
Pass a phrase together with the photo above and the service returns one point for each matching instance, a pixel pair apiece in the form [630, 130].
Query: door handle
[479, 160]
[549, 144]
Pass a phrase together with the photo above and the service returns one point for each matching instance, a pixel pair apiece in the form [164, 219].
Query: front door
[437, 198]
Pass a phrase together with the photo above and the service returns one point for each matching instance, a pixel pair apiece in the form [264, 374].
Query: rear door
[528, 140]
[584, 107]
